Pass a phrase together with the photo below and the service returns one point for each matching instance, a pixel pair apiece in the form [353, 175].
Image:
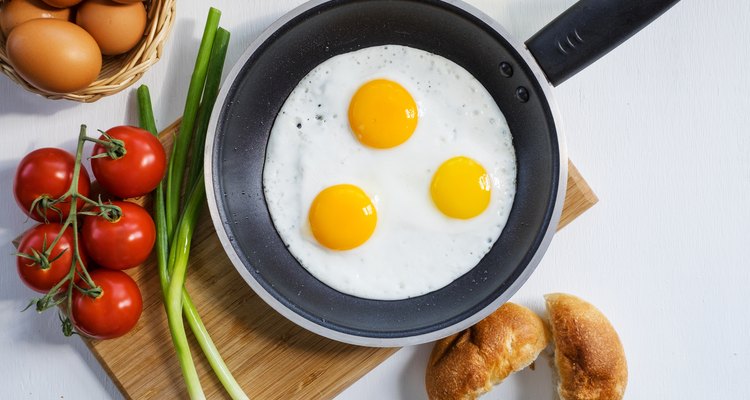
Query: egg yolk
[461, 188]
[382, 114]
[342, 217]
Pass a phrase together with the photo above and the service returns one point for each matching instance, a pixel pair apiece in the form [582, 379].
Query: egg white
[415, 249]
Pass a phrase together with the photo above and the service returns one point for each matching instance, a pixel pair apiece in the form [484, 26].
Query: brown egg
[117, 28]
[62, 3]
[15, 12]
[54, 55]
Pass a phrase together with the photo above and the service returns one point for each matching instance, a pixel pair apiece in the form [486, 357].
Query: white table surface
[659, 128]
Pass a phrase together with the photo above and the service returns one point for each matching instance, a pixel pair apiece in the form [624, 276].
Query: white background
[659, 128]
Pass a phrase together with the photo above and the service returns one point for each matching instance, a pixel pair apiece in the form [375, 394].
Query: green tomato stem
[73, 217]
[50, 298]
[72, 194]
[89, 201]
[105, 143]
[47, 252]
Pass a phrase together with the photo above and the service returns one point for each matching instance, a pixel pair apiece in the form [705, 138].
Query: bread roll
[589, 357]
[469, 363]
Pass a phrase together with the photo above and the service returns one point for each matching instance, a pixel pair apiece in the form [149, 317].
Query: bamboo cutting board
[271, 357]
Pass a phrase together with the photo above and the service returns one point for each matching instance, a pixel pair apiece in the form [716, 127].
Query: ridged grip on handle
[588, 30]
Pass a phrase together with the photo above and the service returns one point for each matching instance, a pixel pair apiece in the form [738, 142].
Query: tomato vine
[61, 294]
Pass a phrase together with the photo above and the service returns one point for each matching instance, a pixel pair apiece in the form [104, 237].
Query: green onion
[213, 82]
[210, 92]
[148, 123]
[188, 308]
[178, 260]
[162, 249]
[176, 169]
[173, 260]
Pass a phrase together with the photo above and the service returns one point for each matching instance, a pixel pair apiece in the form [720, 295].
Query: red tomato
[31, 273]
[48, 173]
[136, 173]
[114, 313]
[122, 244]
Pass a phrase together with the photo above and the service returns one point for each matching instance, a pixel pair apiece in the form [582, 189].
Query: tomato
[121, 244]
[114, 313]
[136, 173]
[31, 273]
[48, 173]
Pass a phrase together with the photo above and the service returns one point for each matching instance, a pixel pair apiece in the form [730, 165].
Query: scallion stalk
[176, 169]
[147, 122]
[213, 82]
[173, 264]
[179, 339]
[179, 252]
[195, 180]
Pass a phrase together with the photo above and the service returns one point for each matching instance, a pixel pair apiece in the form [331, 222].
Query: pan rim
[312, 326]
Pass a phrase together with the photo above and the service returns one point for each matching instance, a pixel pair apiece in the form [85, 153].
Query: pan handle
[588, 30]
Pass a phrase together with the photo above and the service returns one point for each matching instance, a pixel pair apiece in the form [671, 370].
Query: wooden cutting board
[271, 357]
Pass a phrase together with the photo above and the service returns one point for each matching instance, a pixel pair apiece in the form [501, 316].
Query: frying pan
[518, 77]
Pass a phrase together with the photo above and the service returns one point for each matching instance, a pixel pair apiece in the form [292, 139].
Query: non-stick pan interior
[260, 89]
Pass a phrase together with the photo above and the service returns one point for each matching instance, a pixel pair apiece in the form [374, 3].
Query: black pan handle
[588, 30]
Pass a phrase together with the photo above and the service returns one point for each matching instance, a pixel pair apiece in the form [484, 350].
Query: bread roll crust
[589, 356]
[469, 363]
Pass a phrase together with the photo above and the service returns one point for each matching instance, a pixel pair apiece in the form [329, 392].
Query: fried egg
[389, 172]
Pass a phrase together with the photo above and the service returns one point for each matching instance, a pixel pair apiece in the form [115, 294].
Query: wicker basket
[118, 72]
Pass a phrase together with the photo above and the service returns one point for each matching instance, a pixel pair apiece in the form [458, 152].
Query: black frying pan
[517, 76]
